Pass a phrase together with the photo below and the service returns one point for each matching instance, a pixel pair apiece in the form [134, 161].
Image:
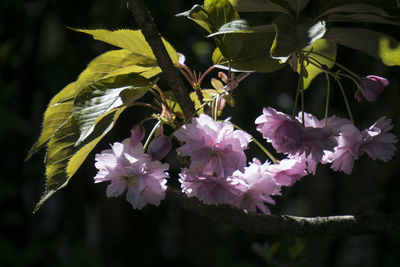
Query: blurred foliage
[81, 227]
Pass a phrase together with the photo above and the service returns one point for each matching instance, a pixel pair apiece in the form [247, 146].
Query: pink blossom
[288, 171]
[212, 190]
[213, 147]
[318, 140]
[377, 142]
[282, 131]
[287, 135]
[371, 87]
[309, 163]
[260, 187]
[347, 150]
[130, 169]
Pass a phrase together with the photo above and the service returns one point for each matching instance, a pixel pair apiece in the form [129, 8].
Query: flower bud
[371, 87]
[159, 147]
[137, 134]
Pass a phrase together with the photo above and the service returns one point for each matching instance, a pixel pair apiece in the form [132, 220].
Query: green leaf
[109, 64]
[59, 150]
[104, 95]
[261, 6]
[324, 47]
[103, 125]
[298, 5]
[243, 26]
[390, 55]
[380, 3]
[58, 111]
[291, 38]
[220, 12]
[376, 44]
[367, 18]
[253, 56]
[356, 8]
[200, 16]
[64, 158]
[134, 41]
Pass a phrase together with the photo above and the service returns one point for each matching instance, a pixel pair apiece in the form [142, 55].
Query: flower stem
[296, 100]
[328, 91]
[345, 99]
[151, 135]
[339, 65]
[301, 78]
[274, 160]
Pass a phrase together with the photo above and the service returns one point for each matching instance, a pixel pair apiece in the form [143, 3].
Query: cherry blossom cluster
[338, 142]
[217, 173]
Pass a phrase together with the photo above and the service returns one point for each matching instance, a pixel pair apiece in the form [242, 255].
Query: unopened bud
[223, 77]
[371, 87]
[221, 103]
[137, 134]
[159, 147]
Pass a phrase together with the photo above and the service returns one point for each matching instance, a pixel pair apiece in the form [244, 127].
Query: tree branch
[152, 36]
[364, 224]
[250, 221]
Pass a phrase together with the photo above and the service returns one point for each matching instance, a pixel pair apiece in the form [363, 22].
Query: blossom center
[131, 179]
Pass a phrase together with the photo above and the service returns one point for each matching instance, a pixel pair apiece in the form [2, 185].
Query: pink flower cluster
[338, 143]
[218, 173]
[130, 169]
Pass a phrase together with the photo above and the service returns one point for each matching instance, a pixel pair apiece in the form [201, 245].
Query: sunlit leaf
[220, 12]
[320, 46]
[389, 55]
[109, 64]
[134, 41]
[200, 16]
[104, 124]
[58, 111]
[104, 95]
[59, 150]
[215, 14]
[291, 37]
[243, 26]
[375, 44]
[64, 157]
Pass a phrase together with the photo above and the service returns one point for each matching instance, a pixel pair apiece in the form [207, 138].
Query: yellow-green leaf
[104, 95]
[134, 41]
[320, 46]
[390, 55]
[376, 44]
[58, 111]
[64, 158]
[104, 123]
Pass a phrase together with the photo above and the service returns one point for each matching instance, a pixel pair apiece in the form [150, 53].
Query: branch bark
[363, 224]
[152, 36]
[249, 221]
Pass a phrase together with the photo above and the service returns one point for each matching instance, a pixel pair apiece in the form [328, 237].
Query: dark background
[79, 226]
